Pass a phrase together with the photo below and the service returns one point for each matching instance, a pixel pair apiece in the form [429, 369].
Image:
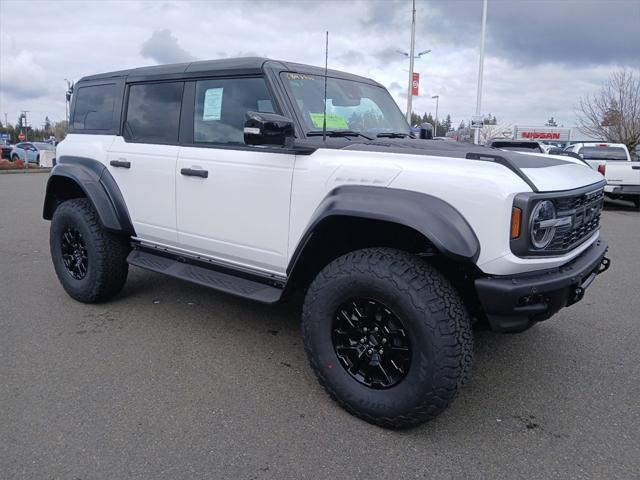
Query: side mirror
[267, 129]
[426, 131]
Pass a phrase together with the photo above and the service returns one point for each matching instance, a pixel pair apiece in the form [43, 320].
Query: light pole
[437, 97]
[412, 56]
[476, 138]
[26, 125]
[66, 103]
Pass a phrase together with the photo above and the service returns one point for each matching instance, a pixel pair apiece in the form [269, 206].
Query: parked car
[620, 170]
[530, 146]
[229, 174]
[34, 152]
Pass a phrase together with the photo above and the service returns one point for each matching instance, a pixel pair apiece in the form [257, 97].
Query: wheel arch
[75, 177]
[353, 217]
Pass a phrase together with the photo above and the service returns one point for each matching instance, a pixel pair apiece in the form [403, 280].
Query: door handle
[120, 163]
[635, 168]
[194, 172]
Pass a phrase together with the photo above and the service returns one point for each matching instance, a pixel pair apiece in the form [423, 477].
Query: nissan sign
[542, 133]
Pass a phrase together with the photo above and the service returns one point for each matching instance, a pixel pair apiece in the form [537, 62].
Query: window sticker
[334, 122]
[212, 104]
[299, 76]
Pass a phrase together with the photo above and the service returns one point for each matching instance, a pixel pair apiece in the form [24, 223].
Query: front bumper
[514, 303]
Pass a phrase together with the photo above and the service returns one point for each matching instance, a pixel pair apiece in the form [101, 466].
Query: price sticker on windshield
[334, 122]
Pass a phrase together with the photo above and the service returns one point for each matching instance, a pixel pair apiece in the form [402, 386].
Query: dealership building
[559, 136]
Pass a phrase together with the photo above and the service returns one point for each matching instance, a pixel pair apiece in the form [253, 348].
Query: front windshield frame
[396, 122]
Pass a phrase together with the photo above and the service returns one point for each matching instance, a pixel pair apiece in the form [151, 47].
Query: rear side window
[94, 107]
[221, 105]
[153, 112]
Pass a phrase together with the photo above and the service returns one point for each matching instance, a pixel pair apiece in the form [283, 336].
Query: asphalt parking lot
[171, 380]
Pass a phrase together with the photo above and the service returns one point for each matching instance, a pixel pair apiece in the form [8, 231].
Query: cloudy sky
[541, 56]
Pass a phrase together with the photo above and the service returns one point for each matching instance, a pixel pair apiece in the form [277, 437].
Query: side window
[221, 105]
[153, 112]
[94, 107]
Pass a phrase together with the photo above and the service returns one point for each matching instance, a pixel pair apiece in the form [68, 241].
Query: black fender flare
[98, 185]
[437, 220]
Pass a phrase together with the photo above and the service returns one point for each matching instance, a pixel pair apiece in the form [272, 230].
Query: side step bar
[206, 277]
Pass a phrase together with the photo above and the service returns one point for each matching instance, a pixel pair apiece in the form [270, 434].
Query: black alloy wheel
[74, 253]
[371, 343]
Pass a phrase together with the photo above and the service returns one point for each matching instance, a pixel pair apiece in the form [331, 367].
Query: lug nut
[375, 329]
[384, 340]
[369, 351]
[381, 351]
[363, 340]
[364, 329]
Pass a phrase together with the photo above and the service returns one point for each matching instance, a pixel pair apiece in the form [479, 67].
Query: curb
[23, 170]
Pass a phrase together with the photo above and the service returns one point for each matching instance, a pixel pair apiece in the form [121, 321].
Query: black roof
[226, 66]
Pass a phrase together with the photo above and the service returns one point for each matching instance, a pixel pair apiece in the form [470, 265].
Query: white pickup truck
[622, 174]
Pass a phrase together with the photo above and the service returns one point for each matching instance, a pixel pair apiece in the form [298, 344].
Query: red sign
[21, 137]
[415, 83]
[542, 135]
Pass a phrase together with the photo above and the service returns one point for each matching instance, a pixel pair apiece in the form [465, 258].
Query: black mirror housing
[268, 129]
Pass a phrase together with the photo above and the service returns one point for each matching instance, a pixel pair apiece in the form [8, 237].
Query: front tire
[91, 263]
[377, 302]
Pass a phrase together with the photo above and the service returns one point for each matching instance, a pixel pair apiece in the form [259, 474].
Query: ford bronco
[263, 178]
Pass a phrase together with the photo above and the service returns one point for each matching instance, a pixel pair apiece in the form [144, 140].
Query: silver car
[29, 151]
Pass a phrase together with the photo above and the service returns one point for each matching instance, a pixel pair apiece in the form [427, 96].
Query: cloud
[22, 77]
[541, 56]
[163, 47]
[526, 32]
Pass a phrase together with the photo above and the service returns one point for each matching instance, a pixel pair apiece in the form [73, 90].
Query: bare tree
[614, 113]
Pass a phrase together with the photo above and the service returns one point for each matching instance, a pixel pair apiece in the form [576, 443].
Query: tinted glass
[94, 107]
[153, 112]
[221, 106]
[603, 153]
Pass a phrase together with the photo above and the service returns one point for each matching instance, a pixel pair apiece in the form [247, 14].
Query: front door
[238, 211]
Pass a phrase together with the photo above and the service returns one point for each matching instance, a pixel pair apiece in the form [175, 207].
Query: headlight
[543, 224]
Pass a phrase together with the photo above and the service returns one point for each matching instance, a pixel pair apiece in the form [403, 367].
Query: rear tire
[90, 262]
[434, 323]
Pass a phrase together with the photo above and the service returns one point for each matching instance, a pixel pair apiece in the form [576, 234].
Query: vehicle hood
[543, 173]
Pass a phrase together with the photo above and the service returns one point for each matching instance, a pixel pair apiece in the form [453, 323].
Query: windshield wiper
[392, 135]
[338, 133]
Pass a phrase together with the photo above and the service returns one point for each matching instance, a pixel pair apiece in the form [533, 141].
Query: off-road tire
[106, 252]
[431, 310]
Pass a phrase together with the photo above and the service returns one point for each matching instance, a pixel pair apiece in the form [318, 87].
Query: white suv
[243, 175]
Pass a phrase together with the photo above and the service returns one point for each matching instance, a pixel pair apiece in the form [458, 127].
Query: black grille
[584, 210]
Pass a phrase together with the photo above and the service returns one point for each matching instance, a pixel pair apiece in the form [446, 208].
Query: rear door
[233, 199]
[143, 159]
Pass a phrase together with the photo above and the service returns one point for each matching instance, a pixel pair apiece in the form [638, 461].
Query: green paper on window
[334, 122]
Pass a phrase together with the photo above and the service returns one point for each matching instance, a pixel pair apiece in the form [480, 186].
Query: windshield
[603, 153]
[44, 146]
[352, 106]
